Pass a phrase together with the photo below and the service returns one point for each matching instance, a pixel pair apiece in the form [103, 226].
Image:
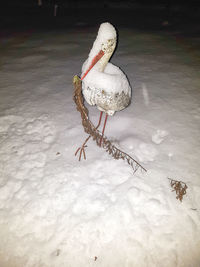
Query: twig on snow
[180, 188]
[90, 129]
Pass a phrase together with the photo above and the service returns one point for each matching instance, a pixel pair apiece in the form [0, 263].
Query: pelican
[104, 84]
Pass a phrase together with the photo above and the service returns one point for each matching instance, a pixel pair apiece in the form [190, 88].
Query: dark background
[139, 14]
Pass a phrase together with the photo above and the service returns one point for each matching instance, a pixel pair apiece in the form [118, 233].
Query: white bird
[104, 84]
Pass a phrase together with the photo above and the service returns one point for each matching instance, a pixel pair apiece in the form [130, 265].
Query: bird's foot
[81, 151]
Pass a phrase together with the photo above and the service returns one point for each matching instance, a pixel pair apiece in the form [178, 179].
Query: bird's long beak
[94, 61]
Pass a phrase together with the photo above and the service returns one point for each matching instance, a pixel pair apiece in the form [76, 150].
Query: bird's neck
[104, 61]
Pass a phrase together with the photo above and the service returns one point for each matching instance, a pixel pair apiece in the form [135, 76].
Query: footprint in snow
[159, 136]
[24, 144]
[144, 152]
[7, 121]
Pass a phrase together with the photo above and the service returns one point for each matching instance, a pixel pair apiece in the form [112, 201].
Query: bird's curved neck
[103, 51]
[104, 61]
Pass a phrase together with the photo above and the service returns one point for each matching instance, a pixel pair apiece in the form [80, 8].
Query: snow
[56, 211]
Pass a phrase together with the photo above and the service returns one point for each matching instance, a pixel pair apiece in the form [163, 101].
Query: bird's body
[105, 85]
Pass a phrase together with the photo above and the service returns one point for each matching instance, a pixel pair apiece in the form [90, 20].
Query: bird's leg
[103, 128]
[82, 148]
[100, 117]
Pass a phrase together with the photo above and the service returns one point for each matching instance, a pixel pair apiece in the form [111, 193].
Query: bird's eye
[108, 46]
[104, 47]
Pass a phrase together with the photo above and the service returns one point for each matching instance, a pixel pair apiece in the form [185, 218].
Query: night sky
[141, 14]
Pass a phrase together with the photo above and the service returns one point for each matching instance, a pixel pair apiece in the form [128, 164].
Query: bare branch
[96, 135]
[180, 188]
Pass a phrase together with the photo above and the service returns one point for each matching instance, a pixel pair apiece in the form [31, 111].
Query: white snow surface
[56, 211]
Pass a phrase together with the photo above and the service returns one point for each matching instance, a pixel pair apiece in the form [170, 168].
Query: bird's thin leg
[82, 148]
[100, 117]
[103, 128]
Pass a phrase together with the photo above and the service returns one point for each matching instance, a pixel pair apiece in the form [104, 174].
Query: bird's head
[109, 46]
[103, 48]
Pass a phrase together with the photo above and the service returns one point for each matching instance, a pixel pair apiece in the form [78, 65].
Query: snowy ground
[56, 211]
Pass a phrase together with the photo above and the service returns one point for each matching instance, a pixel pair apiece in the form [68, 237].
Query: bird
[104, 84]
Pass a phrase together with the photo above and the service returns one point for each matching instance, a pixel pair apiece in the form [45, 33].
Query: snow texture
[56, 211]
